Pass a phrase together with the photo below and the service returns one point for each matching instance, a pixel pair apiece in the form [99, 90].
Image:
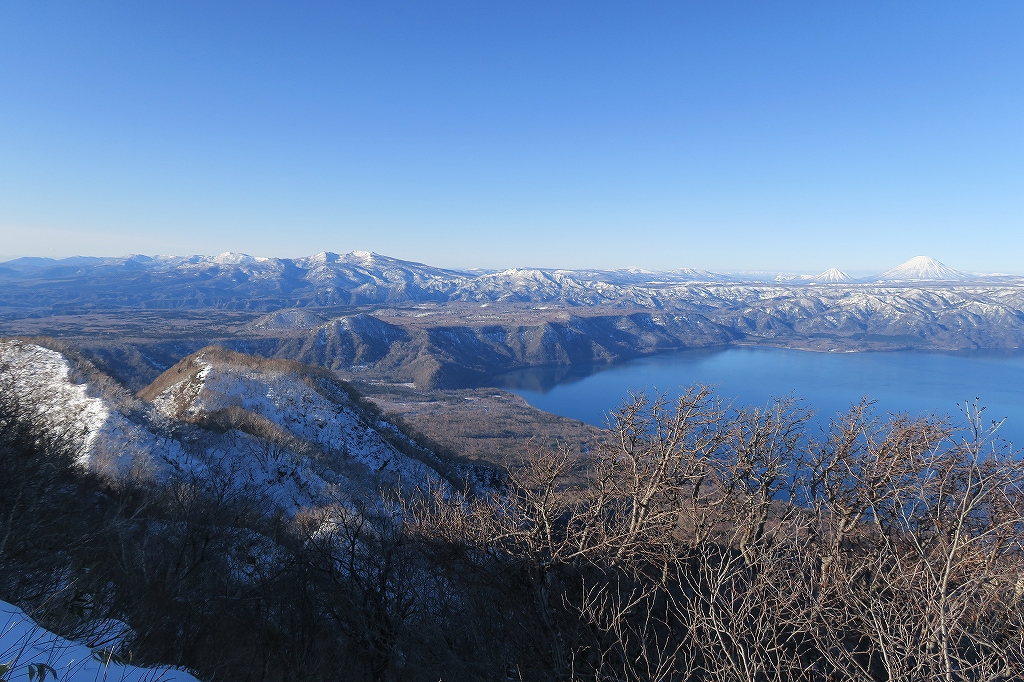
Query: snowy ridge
[306, 409]
[262, 431]
[109, 441]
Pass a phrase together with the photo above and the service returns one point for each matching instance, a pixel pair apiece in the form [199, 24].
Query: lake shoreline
[909, 381]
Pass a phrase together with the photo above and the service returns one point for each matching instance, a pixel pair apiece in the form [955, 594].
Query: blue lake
[902, 381]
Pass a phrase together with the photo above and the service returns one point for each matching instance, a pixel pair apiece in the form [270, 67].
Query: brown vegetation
[487, 426]
[715, 546]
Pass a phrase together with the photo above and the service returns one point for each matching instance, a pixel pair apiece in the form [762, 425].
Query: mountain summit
[922, 268]
[833, 275]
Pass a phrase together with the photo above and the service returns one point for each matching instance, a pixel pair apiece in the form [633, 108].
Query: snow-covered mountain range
[238, 281]
[446, 328]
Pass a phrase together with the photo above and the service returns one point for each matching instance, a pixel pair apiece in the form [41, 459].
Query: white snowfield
[30, 652]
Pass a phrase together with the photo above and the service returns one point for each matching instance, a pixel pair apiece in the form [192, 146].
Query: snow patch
[24, 646]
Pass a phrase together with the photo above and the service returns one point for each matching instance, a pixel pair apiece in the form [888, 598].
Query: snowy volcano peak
[922, 268]
[833, 275]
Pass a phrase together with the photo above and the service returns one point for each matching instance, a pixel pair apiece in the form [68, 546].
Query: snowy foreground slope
[30, 652]
[274, 429]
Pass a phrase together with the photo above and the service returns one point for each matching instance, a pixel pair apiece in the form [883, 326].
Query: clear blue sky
[721, 135]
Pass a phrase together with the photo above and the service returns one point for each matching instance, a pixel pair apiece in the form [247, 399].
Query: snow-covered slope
[31, 652]
[274, 429]
[107, 441]
[528, 285]
[298, 404]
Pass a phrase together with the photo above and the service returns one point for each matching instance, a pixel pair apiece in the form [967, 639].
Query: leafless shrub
[730, 546]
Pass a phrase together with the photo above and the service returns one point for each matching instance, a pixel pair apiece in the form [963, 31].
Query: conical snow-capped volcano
[922, 268]
[832, 275]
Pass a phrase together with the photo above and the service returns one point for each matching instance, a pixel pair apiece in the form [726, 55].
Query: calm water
[911, 382]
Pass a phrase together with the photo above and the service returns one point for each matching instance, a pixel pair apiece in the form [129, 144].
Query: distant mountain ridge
[359, 310]
[239, 281]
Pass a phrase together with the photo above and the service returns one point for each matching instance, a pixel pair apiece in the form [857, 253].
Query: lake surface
[901, 381]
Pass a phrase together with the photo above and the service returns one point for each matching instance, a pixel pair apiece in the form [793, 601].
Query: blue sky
[720, 135]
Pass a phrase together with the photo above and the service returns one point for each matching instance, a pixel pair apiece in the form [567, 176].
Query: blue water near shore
[900, 381]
